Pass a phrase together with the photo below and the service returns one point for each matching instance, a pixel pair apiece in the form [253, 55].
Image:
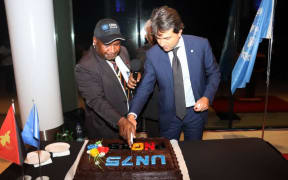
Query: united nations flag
[261, 28]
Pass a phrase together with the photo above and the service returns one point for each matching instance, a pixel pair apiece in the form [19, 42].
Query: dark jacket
[105, 101]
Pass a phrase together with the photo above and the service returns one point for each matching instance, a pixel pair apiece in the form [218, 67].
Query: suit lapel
[108, 70]
[190, 60]
[166, 67]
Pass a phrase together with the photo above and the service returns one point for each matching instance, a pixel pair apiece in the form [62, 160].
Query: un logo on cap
[105, 27]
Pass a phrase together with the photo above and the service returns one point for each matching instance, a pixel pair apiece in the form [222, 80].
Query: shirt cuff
[132, 113]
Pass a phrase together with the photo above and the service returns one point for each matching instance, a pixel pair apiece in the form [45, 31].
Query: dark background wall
[203, 18]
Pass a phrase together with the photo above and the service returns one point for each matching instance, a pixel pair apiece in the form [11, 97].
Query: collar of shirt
[180, 43]
[111, 65]
[180, 51]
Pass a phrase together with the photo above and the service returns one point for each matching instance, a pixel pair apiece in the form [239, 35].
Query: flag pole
[268, 74]
[40, 171]
[14, 112]
[38, 148]
[267, 87]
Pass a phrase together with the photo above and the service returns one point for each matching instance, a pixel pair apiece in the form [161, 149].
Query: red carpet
[257, 104]
[285, 156]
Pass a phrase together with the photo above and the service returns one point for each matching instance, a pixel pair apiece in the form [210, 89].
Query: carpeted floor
[285, 156]
[251, 105]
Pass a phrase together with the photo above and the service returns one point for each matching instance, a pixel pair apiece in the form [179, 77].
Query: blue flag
[261, 28]
[31, 133]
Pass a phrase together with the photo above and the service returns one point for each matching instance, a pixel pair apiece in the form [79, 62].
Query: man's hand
[202, 104]
[131, 118]
[132, 83]
[126, 129]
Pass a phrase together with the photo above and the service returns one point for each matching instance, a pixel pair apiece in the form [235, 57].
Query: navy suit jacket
[204, 77]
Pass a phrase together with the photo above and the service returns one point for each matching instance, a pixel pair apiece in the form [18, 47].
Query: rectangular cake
[149, 158]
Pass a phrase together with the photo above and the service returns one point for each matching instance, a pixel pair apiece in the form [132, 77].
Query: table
[56, 170]
[247, 158]
[233, 159]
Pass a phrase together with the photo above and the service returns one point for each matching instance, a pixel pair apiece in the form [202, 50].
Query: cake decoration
[140, 146]
[150, 146]
[112, 161]
[137, 147]
[162, 157]
[127, 161]
[97, 151]
[144, 161]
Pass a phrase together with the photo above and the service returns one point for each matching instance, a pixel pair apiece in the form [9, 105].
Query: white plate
[57, 147]
[32, 157]
[42, 178]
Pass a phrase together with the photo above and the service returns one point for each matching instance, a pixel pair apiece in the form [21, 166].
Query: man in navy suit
[200, 76]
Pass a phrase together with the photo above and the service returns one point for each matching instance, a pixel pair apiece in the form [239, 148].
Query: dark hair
[165, 18]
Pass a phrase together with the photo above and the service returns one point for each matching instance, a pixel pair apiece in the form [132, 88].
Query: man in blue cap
[102, 76]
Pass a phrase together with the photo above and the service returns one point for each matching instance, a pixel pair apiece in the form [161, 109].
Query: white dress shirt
[181, 53]
[118, 77]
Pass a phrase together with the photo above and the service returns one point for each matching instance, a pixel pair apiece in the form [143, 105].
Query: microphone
[136, 66]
